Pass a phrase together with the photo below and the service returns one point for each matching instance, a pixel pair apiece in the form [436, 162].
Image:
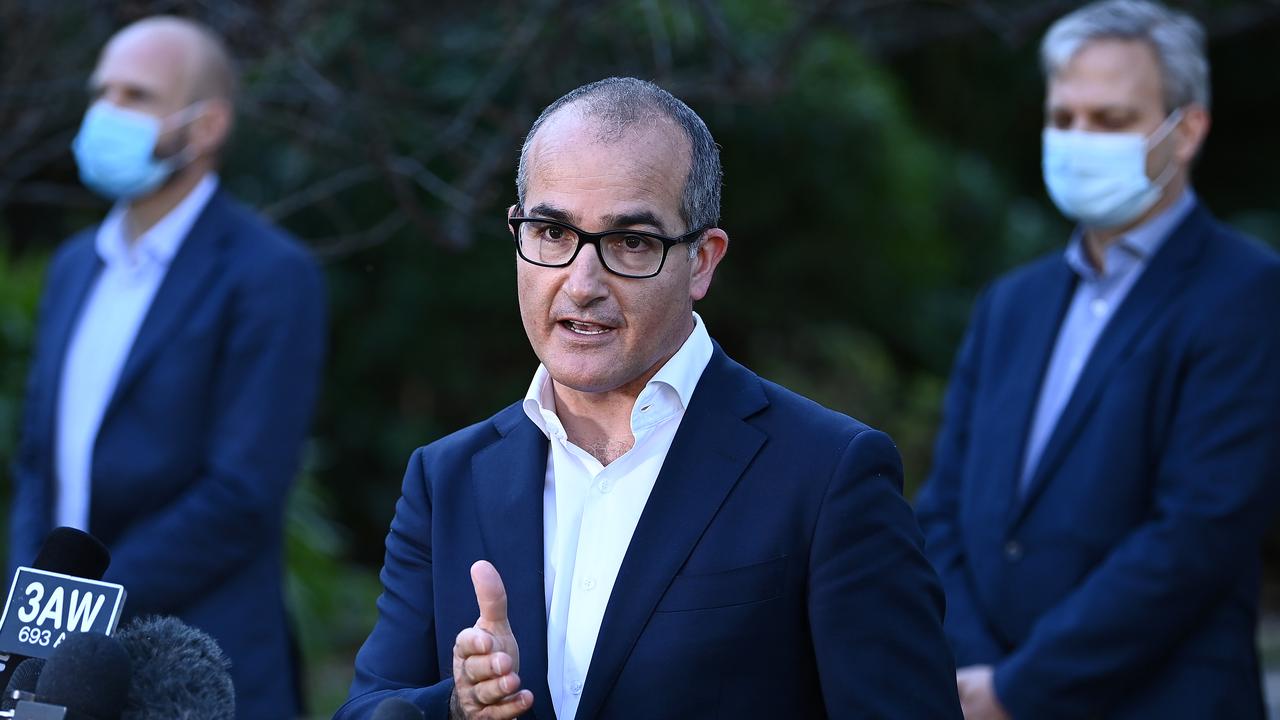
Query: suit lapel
[508, 478]
[711, 450]
[194, 266]
[1149, 295]
[1046, 305]
[65, 302]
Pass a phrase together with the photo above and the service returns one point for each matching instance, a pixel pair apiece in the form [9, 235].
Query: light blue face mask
[115, 151]
[1100, 179]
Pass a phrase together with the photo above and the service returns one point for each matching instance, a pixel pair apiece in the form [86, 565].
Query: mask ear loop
[1163, 131]
[191, 112]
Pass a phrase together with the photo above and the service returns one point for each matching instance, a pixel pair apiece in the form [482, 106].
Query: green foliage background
[881, 165]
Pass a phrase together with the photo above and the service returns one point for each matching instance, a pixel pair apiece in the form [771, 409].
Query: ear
[511, 212]
[711, 249]
[212, 126]
[1190, 133]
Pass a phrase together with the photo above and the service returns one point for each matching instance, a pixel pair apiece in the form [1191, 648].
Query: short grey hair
[1177, 39]
[619, 105]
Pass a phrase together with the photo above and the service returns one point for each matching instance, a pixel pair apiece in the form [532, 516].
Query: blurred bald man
[177, 361]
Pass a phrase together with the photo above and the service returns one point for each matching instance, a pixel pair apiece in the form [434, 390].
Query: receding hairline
[605, 130]
[600, 131]
[209, 72]
[624, 106]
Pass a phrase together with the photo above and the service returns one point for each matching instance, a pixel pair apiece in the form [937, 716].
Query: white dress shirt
[104, 333]
[589, 510]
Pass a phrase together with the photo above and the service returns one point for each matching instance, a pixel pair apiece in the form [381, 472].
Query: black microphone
[397, 708]
[22, 686]
[67, 551]
[179, 672]
[70, 551]
[86, 678]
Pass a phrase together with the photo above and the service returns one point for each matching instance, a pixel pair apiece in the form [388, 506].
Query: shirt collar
[160, 243]
[1139, 244]
[680, 374]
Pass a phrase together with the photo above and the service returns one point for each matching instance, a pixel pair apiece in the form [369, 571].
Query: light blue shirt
[1097, 297]
[109, 322]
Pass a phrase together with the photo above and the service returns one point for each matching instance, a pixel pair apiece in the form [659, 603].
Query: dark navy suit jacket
[1123, 583]
[200, 441]
[776, 571]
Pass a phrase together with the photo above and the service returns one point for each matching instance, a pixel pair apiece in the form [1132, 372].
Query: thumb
[491, 596]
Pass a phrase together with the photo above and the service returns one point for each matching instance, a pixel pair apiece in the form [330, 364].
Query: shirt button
[1013, 550]
[1099, 308]
[605, 487]
[589, 584]
[576, 687]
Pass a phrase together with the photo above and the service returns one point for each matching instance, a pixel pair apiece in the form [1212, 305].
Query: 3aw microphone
[73, 552]
[62, 593]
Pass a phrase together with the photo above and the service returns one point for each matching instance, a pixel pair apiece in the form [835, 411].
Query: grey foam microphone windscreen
[88, 674]
[179, 672]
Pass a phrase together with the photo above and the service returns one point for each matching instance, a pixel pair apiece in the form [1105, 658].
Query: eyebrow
[634, 218]
[615, 221]
[95, 87]
[551, 212]
[1108, 108]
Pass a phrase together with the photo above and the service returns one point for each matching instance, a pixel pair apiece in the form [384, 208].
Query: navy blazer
[200, 441]
[1123, 582]
[776, 571]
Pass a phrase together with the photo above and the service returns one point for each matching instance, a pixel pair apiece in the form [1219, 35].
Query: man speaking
[653, 531]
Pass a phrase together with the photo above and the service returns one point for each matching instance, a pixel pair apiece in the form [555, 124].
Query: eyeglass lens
[623, 252]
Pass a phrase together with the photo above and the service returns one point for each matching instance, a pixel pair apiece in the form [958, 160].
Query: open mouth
[584, 328]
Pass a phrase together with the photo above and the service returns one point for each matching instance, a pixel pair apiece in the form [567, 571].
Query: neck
[599, 423]
[1098, 240]
[143, 213]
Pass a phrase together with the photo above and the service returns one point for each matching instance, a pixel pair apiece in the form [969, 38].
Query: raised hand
[486, 659]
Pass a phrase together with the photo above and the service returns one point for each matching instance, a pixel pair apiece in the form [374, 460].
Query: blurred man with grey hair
[1108, 460]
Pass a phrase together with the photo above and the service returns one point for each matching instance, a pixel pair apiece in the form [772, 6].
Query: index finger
[473, 641]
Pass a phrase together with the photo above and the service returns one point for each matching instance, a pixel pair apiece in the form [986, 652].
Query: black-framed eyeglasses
[629, 253]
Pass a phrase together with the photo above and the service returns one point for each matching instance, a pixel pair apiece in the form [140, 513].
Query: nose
[112, 95]
[1084, 124]
[585, 282]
